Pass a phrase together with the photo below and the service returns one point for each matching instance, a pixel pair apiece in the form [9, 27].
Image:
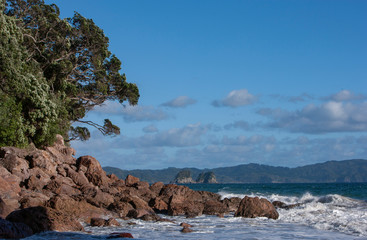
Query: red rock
[186, 230]
[120, 235]
[130, 180]
[185, 225]
[255, 207]
[37, 180]
[13, 163]
[93, 171]
[156, 187]
[158, 205]
[97, 222]
[112, 222]
[232, 203]
[41, 219]
[214, 208]
[32, 199]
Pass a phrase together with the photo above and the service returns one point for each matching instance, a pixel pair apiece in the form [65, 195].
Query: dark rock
[120, 235]
[232, 203]
[41, 219]
[214, 208]
[97, 222]
[279, 204]
[14, 230]
[255, 207]
[32, 199]
[112, 222]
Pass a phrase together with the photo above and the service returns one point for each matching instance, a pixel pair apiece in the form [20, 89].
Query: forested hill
[332, 171]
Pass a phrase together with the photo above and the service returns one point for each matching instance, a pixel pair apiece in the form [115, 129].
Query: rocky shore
[50, 190]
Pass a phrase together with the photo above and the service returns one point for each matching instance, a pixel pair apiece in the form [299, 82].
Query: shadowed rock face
[49, 189]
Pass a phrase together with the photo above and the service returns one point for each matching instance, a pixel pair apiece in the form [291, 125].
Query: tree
[73, 58]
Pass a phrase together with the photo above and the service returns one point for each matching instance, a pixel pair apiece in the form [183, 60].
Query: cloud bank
[179, 102]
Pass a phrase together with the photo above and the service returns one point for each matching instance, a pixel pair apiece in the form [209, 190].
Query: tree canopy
[52, 72]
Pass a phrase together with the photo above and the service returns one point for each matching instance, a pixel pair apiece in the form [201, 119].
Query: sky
[224, 83]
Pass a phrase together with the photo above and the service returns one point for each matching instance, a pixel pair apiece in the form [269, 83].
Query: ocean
[328, 211]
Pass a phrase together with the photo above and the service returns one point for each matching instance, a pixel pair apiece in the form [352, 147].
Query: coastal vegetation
[52, 72]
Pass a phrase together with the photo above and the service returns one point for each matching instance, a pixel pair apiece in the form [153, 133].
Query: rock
[112, 222]
[41, 219]
[13, 163]
[185, 225]
[93, 171]
[32, 199]
[14, 230]
[60, 153]
[186, 230]
[207, 177]
[98, 198]
[43, 160]
[130, 180]
[232, 203]
[4, 209]
[9, 190]
[97, 222]
[184, 176]
[37, 180]
[159, 205]
[255, 207]
[156, 187]
[120, 235]
[279, 204]
[214, 208]
[121, 208]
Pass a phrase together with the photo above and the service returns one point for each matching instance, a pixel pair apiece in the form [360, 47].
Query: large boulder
[256, 207]
[10, 160]
[41, 219]
[215, 208]
[232, 203]
[14, 230]
[60, 153]
[130, 180]
[93, 171]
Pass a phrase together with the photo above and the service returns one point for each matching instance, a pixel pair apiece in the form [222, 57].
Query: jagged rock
[131, 180]
[186, 230]
[185, 225]
[16, 165]
[14, 230]
[121, 208]
[156, 187]
[159, 205]
[93, 171]
[42, 160]
[9, 189]
[255, 207]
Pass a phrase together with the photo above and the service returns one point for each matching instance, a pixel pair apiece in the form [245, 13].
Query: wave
[329, 212]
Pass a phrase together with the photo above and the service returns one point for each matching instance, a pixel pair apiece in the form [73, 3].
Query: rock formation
[46, 190]
[183, 176]
[207, 177]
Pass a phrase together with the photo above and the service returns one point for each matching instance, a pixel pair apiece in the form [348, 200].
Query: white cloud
[143, 113]
[346, 95]
[238, 125]
[130, 113]
[331, 116]
[179, 102]
[150, 129]
[236, 98]
[189, 135]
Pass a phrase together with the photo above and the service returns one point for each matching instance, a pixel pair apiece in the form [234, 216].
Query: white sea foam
[331, 212]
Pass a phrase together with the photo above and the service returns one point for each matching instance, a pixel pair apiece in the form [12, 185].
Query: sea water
[327, 211]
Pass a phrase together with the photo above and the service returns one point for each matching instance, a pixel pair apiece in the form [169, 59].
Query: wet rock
[97, 222]
[120, 235]
[185, 225]
[214, 208]
[186, 230]
[255, 207]
[14, 230]
[279, 204]
[232, 203]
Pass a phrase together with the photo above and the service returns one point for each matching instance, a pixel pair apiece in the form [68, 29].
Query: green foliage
[52, 72]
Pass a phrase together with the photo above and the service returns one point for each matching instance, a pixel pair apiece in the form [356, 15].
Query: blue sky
[223, 83]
